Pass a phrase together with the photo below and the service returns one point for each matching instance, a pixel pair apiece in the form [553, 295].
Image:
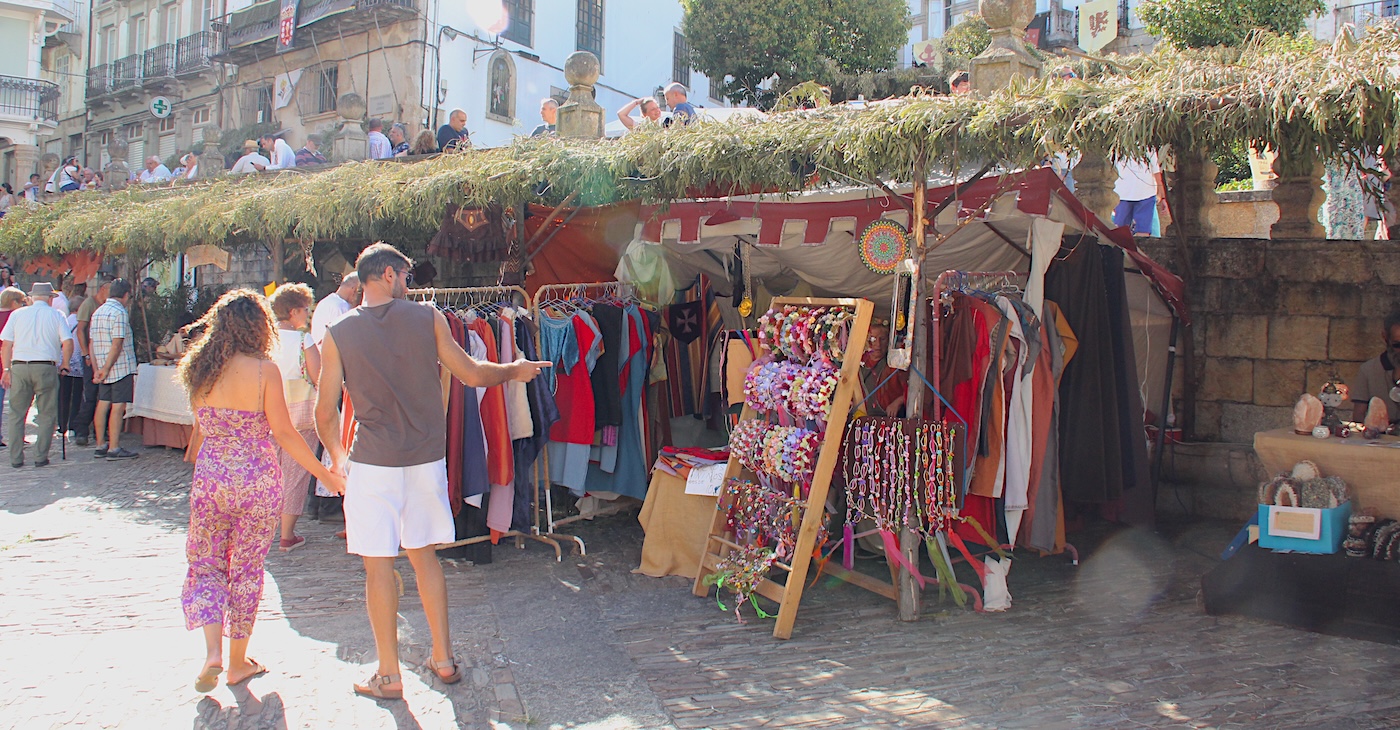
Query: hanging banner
[284, 86]
[925, 52]
[206, 254]
[287, 25]
[1098, 24]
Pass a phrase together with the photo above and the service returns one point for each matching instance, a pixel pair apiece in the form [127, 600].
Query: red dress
[573, 393]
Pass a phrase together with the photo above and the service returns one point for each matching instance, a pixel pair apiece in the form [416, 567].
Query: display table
[1330, 594]
[676, 526]
[1370, 468]
[160, 408]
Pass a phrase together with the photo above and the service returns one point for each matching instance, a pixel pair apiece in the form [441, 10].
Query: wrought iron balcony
[159, 62]
[195, 53]
[258, 24]
[126, 72]
[29, 99]
[99, 81]
[1363, 15]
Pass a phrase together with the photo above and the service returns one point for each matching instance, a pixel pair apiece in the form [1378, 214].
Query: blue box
[1303, 530]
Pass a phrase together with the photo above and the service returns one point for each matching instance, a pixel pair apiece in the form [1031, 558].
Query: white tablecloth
[160, 396]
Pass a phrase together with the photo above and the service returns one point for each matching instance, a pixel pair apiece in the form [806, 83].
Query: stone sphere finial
[1012, 14]
[351, 106]
[116, 149]
[582, 68]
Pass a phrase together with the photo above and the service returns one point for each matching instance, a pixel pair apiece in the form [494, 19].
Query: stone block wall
[1274, 319]
[248, 266]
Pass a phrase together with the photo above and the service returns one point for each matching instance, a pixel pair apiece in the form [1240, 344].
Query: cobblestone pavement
[91, 635]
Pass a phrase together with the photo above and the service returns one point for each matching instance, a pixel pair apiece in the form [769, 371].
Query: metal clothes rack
[571, 298]
[953, 280]
[488, 301]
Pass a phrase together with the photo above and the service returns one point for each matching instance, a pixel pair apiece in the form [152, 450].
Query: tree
[1204, 23]
[969, 37]
[742, 45]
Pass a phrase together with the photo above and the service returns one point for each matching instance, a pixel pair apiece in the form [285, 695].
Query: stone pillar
[48, 164]
[351, 142]
[1007, 57]
[211, 160]
[1094, 178]
[116, 175]
[1299, 197]
[581, 117]
[1194, 177]
[26, 164]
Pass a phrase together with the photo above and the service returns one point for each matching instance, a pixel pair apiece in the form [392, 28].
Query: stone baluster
[1194, 177]
[581, 117]
[1094, 178]
[1299, 196]
[1006, 58]
[351, 142]
[211, 160]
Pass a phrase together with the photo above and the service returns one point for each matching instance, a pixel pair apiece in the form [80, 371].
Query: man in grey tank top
[386, 354]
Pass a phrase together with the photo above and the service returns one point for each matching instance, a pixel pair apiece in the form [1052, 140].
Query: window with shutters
[590, 27]
[680, 59]
[522, 22]
[262, 104]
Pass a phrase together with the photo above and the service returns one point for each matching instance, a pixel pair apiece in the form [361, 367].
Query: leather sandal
[258, 671]
[208, 679]
[450, 662]
[377, 687]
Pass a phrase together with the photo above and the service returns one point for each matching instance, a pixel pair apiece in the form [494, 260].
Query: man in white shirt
[279, 154]
[35, 347]
[1140, 190]
[334, 306]
[251, 161]
[60, 297]
[379, 146]
[155, 172]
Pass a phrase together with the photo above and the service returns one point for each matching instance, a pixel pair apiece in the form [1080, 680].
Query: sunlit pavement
[91, 635]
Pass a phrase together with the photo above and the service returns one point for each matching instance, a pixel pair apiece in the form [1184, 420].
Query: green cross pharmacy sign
[161, 107]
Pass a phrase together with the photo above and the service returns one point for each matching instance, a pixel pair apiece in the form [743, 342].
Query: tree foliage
[1205, 23]
[742, 44]
[969, 37]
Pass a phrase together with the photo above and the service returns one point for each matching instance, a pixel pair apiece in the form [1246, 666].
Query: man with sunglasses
[1377, 377]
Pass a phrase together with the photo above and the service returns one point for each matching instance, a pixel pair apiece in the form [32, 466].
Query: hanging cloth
[543, 414]
[629, 477]
[500, 461]
[517, 405]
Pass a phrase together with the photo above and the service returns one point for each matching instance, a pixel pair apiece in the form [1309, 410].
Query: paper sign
[1098, 24]
[705, 480]
[1296, 522]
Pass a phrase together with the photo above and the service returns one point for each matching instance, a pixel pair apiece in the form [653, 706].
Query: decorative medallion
[883, 244]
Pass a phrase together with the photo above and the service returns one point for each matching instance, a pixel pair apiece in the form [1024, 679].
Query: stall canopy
[993, 226]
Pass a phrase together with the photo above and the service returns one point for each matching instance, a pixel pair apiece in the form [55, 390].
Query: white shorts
[391, 506]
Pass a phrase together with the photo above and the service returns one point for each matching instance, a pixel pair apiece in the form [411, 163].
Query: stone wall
[1272, 319]
[249, 266]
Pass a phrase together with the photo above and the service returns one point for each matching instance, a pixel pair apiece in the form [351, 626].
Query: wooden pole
[278, 261]
[909, 593]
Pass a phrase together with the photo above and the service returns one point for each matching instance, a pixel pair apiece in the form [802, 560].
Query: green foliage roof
[1280, 92]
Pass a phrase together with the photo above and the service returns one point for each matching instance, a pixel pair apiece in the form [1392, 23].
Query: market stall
[1369, 467]
[160, 408]
[1056, 262]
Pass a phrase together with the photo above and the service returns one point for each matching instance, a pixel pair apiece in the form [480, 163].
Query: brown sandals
[377, 687]
[208, 679]
[438, 666]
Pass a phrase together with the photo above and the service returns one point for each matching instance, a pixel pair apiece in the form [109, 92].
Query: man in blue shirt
[453, 136]
[682, 111]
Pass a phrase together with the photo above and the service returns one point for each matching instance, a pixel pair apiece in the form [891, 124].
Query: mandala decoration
[883, 244]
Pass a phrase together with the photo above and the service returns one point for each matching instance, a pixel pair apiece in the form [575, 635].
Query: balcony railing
[29, 99]
[159, 62]
[195, 53]
[99, 80]
[1362, 15]
[126, 72]
[259, 22]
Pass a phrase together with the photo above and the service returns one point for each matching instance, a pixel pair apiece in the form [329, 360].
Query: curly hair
[240, 323]
[289, 298]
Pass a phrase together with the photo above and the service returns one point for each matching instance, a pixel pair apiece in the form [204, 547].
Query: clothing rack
[488, 301]
[571, 298]
[953, 280]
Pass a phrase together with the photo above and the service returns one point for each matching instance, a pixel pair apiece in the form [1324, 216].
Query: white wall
[637, 56]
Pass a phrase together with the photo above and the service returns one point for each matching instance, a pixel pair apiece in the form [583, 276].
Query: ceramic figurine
[1333, 395]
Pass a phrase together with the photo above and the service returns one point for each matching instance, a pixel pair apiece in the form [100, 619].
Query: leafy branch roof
[1278, 91]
